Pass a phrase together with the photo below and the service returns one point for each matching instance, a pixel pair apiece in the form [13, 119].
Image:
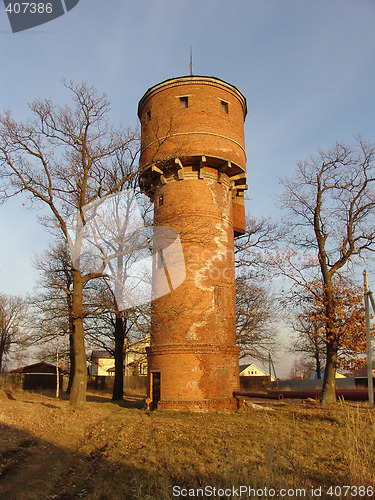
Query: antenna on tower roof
[191, 61]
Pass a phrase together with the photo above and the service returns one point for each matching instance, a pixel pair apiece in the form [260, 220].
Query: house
[136, 357]
[135, 360]
[102, 363]
[252, 370]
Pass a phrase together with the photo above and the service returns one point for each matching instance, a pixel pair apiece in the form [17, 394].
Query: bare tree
[13, 312]
[52, 304]
[301, 369]
[310, 341]
[66, 158]
[255, 328]
[115, 234]
[255, 310]
[330, 200]
[251, 248]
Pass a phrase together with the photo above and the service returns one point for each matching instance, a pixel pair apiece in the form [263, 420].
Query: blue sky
[306, 68]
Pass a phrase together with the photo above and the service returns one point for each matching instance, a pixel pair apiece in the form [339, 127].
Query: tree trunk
[71, 346]
[72, 363]
[329, 382]
[79, 385]
[118, 386]
[318, 366]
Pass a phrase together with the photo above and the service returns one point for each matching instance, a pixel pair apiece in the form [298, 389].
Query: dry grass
[110, 451]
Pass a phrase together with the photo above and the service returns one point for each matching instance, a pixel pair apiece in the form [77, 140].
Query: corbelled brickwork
[193, 167]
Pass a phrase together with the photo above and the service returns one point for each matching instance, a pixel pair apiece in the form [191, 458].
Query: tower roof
[191, 80]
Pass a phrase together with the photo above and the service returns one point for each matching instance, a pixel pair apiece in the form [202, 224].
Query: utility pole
[271, 367]
[57, 351]
[57, 367]
[368, 339]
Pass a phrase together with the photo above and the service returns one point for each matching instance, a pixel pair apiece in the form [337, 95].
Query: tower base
[202, 405]
[195, 377]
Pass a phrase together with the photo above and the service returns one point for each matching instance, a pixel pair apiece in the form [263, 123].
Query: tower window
[148, 114]
[161, 200]
[224, 107]
[184, 102]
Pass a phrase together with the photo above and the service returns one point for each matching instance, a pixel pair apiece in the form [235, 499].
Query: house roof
[100, 353]
[41, 367]
[141, 341]
[138, 361]
[139, 345]
[243, 367]
[362, 372]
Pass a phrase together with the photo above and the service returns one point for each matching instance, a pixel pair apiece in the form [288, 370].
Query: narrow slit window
[148, 114]
[224, 107]
[161, 200]
[184, 102]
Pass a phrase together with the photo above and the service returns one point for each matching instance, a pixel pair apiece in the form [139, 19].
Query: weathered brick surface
[193, 327]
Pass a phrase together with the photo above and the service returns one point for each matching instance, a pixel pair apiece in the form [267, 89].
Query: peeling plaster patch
[199, 283]
[198, 375]
[192, 332]
[219, 255]
[192, 385]
[220, 226]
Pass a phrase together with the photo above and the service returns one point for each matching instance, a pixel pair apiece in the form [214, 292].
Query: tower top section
[191, 118]
[192, 80]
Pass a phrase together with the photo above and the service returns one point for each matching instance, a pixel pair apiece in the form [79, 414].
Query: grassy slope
[108, 451]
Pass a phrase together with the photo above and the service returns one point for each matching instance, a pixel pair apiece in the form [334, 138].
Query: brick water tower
[193, 167]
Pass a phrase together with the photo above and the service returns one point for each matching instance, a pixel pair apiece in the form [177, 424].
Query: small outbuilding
[40, 376]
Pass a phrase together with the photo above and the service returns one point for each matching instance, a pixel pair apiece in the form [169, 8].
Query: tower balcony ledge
[163, 171]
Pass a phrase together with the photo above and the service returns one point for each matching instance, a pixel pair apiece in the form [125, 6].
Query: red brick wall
[239, 223]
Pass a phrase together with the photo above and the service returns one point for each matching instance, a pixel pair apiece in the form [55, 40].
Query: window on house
[184, 102]
[224, 107]
[143, 369]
